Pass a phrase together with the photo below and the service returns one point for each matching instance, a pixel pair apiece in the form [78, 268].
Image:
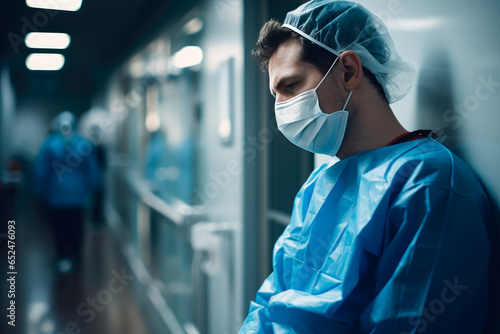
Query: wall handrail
[179, 213]
[279, 217]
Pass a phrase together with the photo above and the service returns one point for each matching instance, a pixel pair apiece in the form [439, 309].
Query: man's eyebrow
[285, 78]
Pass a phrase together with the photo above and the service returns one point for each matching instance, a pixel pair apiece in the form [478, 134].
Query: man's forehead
[287, 54]
[285, 61]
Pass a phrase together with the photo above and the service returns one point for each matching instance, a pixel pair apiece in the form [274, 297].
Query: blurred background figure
[66, 174]
[91, 126]
[100, 154]
[156, 149]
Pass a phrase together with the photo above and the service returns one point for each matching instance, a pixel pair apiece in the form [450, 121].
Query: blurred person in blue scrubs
[392, 238]
[66, 175]
[95, 137]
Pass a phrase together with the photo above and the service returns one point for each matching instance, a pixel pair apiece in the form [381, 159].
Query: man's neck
[372, 125]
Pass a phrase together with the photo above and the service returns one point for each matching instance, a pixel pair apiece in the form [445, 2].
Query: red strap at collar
[409, 136]
[398, 138]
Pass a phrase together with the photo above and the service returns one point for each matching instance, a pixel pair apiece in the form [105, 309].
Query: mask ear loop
[327, 73]
[345, 105]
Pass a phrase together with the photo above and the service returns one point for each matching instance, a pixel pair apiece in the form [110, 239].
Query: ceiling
[103, 33]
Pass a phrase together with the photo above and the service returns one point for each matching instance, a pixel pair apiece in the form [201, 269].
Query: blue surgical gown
[390, 240]
[66, 171]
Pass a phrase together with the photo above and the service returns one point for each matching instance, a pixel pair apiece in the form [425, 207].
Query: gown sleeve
[266, 314]
[258, 321]
[433, 274]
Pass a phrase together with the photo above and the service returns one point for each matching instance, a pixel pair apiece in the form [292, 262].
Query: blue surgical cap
[64, 118]
[338, 26]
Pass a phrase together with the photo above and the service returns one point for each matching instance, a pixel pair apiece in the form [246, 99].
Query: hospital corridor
[235, 166]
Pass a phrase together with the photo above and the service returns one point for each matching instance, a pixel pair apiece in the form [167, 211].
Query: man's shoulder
[431, 163]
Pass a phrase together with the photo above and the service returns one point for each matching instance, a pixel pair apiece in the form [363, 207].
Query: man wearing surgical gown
[391, 238]
[66, 176]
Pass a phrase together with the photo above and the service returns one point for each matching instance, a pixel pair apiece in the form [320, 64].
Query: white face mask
[302, 122]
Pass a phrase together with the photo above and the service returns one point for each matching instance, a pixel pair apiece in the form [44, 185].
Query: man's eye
[291, 86]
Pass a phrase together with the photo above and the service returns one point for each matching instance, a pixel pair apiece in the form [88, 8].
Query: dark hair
[272, 35]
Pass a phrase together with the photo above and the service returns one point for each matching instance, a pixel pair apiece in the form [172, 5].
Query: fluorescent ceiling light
[187, 56]
[193, 26]
[69, 5]
[45, 61]
[47, 40]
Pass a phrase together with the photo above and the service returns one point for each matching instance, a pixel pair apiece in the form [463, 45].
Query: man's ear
[352, 69]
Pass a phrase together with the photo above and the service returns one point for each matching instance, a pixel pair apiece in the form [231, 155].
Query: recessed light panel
[47, 40]
[45, 61]
[69, 5]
